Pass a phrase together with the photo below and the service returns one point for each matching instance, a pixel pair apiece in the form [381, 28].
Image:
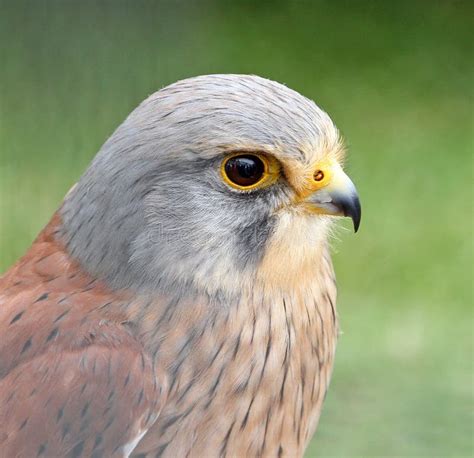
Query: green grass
[397, 79]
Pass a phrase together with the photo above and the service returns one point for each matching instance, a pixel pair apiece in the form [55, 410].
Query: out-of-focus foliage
[397, 79]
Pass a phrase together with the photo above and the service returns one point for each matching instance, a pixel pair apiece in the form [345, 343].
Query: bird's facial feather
[155, 211]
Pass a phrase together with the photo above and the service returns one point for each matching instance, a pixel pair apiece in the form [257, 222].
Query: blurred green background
[397, 78]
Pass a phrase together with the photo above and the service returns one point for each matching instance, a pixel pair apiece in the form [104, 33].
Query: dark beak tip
[356, 224]
[356, 214]
[352, 209]
[348, 204]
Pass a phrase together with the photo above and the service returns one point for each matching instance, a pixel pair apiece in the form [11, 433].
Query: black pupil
[244, 170]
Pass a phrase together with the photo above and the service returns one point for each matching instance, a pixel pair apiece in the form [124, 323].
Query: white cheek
[300, 233]
[294, 251]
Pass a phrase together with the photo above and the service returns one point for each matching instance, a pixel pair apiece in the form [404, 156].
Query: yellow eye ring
[246, 171]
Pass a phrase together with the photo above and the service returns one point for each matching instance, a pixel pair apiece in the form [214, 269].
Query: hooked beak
[339, 198]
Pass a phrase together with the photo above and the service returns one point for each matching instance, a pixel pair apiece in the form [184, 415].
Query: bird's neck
[262, 358]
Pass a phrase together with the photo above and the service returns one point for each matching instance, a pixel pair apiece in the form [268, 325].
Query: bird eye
[318, 175]
[244, 171]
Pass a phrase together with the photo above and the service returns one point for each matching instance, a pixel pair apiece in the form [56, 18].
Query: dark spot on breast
[52, 334]
[60, 414]
[216, 354]
[244, 421]
[237, 346]
[160, 450]
[77, 450]
[88, 288]
[223, 451]
[16, 317]
[26, 346]
[61, 315]
[170, 421]
[254, 322]
[109, 423]
[46, 256]
[98, 440]
[186, 390]
[66, 429]
[25, 421]
[41, 449]
[127, 379]
[42, 297]
[140, 397]
[84, 410]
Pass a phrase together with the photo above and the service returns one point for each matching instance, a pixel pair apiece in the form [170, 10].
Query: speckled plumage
[161, 313]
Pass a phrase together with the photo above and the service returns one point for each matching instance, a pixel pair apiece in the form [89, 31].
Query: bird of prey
[181, 301]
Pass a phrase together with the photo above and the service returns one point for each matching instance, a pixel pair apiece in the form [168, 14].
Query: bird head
[213, 184]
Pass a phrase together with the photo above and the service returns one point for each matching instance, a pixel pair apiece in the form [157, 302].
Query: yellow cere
[316, 177]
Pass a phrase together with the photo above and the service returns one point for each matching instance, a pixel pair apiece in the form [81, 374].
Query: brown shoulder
[46, 301]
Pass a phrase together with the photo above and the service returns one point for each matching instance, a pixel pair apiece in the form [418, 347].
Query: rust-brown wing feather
[74, 380]
[97, 401]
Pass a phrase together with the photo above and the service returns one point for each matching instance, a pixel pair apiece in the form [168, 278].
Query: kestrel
[181, 301]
